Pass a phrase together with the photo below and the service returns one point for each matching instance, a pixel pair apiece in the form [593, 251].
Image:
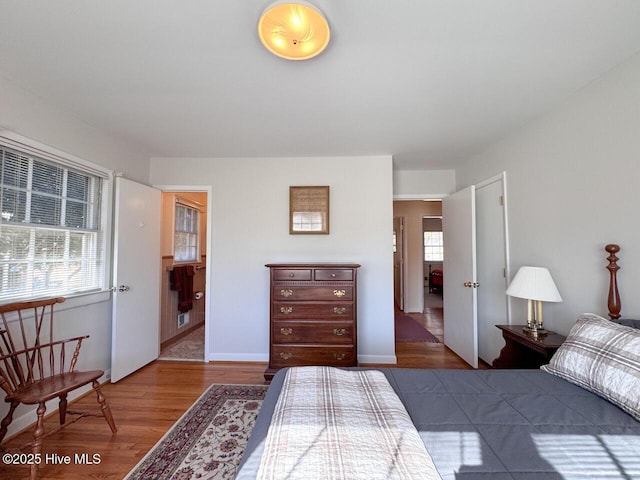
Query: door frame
[502, 177]
[207, 288]
[493, 265]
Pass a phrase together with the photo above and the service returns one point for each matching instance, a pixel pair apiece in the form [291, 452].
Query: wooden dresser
[313, 315]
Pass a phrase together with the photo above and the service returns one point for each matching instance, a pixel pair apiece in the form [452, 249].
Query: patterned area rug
[208, 441]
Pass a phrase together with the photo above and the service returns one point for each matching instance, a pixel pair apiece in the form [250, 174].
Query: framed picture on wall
[309, 210]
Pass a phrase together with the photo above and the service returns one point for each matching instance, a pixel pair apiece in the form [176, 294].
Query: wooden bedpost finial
[612, 248]
[613, 302]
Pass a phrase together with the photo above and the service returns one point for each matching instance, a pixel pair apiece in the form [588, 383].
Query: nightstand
[522, 350]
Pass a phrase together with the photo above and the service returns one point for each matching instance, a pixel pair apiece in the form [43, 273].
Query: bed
[435, 280]
[577, 419]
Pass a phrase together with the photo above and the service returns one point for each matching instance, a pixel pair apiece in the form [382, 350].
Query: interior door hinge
[502, 200]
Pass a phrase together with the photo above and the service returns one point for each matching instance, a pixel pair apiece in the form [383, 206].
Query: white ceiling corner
[429, 82]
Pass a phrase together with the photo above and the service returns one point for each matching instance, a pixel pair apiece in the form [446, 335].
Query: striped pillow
[602, 357]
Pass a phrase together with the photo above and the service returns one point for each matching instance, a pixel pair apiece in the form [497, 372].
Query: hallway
[425, 354]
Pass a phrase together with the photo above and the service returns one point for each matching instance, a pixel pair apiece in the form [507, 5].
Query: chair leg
[62, 408]
[106, 409]
[6, 421]
[37, 436]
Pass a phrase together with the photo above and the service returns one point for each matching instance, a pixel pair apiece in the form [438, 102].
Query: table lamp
[536, 286]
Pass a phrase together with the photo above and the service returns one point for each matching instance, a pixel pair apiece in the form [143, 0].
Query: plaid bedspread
[334, 424]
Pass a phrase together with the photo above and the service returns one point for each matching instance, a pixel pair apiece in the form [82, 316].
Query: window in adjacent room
[52, 240]
[185, 244]
[433, 247]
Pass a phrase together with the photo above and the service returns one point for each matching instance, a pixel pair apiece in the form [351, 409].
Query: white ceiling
[428, 81]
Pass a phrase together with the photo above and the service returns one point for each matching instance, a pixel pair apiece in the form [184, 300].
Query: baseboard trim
[257, 357]
[378, 359]
[238, 357]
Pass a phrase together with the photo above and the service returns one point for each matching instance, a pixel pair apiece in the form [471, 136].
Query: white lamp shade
[534, 283]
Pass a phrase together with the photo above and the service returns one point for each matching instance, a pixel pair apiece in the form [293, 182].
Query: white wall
[249, 221]
[418, 184]
[573, 187]
[29, 116]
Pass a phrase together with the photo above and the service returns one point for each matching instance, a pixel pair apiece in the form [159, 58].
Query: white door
[460, 282]
[492, 266]
[398, 262]
[136, 276]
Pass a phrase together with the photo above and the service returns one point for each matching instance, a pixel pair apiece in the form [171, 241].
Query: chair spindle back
[29, 354]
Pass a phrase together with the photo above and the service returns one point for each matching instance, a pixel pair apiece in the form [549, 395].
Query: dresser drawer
[291, 274]
[312, 332]
[303, 311]
[326, 274]
[335, 355]
[329, 293]
[312, 314]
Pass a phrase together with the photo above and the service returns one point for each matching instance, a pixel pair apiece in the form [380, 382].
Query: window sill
[84, 299]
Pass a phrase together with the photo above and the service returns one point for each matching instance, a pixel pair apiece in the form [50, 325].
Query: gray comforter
[501, 424]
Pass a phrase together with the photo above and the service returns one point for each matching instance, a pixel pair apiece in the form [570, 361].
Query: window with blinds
[185, 243]
[433, 247]
[51, 231]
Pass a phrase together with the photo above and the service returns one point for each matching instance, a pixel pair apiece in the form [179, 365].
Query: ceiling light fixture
[295, 31]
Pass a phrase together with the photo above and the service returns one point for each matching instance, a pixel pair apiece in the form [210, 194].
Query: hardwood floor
[428, 355]
[144, 406]
[147, 403]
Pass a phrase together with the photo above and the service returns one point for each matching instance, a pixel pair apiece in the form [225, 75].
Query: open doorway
[183, 286]
[419, 304]
[411, 214]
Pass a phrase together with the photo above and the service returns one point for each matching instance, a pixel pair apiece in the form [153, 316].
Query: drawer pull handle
[339, 331]
[286, 310]
[339, 356]
[339, 293]
[339, 310]
[286, 355]
[291, 275]
[286, 292]
[286, 331]
[333, 275]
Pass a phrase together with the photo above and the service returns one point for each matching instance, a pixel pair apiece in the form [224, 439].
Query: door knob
[123, 288]
[471, 284]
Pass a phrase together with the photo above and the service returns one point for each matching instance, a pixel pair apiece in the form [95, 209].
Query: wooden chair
[35, 368]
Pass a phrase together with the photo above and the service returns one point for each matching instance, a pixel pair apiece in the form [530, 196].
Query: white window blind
[51, 231]
[185, 245]
[308, 221]
[433, 247]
